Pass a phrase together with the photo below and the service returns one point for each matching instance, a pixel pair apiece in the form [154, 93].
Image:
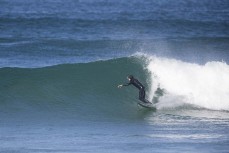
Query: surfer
[137, 84]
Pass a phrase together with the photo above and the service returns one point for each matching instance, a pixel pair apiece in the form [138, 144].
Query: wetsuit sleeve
[127, 84]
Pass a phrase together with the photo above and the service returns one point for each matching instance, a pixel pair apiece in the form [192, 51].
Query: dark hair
[130, 77]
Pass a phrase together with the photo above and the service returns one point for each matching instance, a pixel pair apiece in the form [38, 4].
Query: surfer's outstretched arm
[121, 85]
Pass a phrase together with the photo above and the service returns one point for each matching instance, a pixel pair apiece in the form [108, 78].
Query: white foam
[201, 85]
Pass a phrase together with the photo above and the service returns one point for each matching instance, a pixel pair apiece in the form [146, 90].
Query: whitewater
[204, 85]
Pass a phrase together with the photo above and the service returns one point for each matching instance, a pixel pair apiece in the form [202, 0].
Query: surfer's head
[130, 77]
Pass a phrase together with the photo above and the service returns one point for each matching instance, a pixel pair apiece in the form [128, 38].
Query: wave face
[83, 90]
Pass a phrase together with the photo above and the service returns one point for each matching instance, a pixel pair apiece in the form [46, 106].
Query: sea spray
[205, 85]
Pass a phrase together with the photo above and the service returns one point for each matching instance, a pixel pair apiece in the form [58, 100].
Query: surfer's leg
[142, 95]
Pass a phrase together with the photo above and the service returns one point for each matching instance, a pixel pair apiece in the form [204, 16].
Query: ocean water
[61, 62]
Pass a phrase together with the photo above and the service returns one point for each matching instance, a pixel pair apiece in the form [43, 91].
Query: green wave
[88, 89]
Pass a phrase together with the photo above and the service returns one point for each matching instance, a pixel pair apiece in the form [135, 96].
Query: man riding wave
[137, 84]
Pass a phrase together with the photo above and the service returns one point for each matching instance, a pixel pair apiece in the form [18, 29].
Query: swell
[56, 22]
[112, 28]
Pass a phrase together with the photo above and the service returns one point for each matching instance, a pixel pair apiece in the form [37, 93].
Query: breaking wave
[90, 89]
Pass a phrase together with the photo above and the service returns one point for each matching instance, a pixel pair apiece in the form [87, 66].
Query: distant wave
[34, 53]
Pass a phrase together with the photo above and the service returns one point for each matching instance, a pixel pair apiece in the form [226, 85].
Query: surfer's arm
[121, 85]
[127, 84]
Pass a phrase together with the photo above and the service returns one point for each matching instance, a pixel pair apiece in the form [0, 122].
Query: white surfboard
[147, 104]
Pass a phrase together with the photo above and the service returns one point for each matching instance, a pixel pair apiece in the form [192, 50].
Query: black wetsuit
[138, 85]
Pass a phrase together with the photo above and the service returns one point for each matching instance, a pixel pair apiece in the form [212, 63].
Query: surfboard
[147, 104]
